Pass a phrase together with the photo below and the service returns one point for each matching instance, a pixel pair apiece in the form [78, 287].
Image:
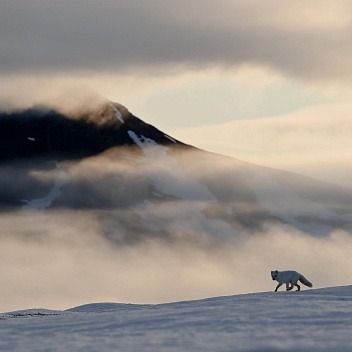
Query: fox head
[274, 274]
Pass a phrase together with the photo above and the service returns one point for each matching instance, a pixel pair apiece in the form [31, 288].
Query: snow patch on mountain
[142, 141]
[170, 138]
[118, 113]
[55, 192]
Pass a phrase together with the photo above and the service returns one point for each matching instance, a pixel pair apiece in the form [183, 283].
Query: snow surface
[311, 320]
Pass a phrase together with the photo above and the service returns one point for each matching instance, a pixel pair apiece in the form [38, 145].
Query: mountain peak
[44, 131]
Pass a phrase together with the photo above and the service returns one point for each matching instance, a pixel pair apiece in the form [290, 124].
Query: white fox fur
[289, 277]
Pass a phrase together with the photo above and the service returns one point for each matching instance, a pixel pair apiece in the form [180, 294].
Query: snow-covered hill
[313, 320]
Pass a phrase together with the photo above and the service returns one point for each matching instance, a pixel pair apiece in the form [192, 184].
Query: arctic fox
[289, 277]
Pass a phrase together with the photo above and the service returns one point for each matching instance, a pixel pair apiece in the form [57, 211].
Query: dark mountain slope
[40, 132]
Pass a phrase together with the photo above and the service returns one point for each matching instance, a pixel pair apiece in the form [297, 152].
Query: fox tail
[305, 281]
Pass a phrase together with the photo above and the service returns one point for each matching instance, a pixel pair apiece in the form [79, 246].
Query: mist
[60, 260]
[148, 227]
[65, 95]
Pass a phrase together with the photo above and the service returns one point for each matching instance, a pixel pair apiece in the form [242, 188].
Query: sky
[263, 81]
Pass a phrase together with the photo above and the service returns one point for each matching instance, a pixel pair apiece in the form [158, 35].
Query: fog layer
[157, 225]
[61, 260]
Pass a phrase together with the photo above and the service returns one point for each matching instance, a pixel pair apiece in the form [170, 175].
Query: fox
[289, 277]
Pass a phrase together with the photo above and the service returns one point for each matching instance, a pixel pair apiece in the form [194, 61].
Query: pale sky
[268, 82]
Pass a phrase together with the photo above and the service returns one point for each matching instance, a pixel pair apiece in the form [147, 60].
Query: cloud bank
[60, 260]
[113, 243]
[305, 39]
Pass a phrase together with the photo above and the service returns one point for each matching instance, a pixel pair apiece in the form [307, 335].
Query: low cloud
[167, 249]
[63, 94]
[62, 260]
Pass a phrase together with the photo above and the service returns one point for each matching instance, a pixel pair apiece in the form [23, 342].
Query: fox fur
[289, 277]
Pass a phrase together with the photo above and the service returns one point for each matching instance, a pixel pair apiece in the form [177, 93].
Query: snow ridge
[320, 321]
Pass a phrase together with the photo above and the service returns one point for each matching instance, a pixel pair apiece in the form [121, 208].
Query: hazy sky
[264, 81]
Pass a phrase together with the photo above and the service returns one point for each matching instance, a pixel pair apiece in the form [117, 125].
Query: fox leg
[278, 285]
[289, 288]
[295, 283]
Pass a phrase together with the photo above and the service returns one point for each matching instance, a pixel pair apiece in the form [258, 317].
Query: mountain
[266, 321]
[45, 132]
[139, 182]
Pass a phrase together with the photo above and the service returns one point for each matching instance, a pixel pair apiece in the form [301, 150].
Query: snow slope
[311, 320]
